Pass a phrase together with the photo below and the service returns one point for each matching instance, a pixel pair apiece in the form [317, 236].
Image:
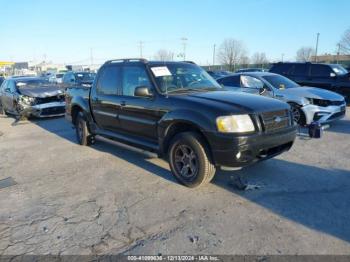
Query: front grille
[57, 110]
[336, 115]
[275, 120]
[50, 99]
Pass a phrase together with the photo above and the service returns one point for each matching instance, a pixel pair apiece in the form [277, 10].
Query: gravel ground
[113, 199]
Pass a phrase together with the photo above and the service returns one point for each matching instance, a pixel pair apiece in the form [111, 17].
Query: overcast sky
[67, 31]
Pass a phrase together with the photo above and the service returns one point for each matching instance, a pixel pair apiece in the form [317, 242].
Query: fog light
[238, 155]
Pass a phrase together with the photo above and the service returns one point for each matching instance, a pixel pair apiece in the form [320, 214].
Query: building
[333, 59]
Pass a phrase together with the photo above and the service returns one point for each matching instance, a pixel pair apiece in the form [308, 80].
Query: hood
[43, 91]
[248, 103]
[313, 92]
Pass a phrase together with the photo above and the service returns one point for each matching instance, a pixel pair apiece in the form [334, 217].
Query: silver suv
[308, 103]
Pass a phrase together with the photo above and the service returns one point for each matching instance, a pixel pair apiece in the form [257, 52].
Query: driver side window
[251, 82]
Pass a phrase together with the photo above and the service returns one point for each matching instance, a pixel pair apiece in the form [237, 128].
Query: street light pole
[214, 55]
[338, 53]
[141, 46]
[184, 39]
[282, 57]
[318, 35]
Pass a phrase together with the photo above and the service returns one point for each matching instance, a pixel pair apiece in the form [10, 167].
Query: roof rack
[124, 60]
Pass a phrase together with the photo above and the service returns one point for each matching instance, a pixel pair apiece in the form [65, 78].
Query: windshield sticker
[160, 71]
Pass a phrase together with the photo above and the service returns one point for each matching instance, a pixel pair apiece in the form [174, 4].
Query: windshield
[33, 83]
[181, 77]
[280, 82]
[339, 70]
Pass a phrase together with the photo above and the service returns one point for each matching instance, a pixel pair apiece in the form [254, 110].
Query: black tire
[2, 112]
[84, 137]
[188, 152]
[298, 114]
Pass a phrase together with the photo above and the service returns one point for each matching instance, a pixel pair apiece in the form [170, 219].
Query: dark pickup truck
[178, 111]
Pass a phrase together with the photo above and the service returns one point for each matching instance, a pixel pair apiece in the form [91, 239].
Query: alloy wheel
[186, 163]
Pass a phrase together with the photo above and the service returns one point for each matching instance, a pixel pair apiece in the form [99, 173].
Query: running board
[129, 140]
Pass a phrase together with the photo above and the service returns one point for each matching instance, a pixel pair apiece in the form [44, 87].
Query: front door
[320, 76]
[138, 115]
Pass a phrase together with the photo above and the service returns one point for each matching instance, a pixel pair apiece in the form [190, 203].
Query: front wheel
[298, 115]
[190, 161]
[82, 132]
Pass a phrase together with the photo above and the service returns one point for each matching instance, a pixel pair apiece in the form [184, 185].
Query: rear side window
[230, 81]
[109, 81]
[299, 70]
[321, 71]
[134, 76]
[282, 69]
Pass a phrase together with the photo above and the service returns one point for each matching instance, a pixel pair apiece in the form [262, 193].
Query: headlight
[310, 100]
[27, 100]
[235, 124]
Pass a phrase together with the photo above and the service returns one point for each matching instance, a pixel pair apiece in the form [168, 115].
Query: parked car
[246, 70]
[57, 78]
[77, 79]
[31, 96]
[308, 103]
[177, 110]
[332, 77]
[1, 79]
[218, 74]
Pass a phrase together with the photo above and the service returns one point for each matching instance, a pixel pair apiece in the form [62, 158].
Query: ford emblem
[277, 119]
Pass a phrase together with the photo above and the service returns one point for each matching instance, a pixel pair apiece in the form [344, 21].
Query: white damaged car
[308, 103]
[31, 96]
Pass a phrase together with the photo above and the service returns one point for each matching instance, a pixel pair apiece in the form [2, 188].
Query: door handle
[122, 103]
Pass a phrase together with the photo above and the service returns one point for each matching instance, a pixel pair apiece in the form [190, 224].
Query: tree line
[233, 52]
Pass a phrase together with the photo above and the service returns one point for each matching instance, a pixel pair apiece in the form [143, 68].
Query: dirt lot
[113, 199]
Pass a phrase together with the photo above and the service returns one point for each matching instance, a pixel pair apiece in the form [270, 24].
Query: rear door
[300, 73]
[105, 99]
[8, 95]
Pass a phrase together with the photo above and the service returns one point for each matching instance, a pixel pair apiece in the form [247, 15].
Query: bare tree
[231, 52]
[344, 43]
[304, 54]
[259, 59]
[163, 55]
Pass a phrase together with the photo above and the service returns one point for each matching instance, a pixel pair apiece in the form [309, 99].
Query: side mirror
[8, 90]
[333, 74]
[142, 91]
[262, 90]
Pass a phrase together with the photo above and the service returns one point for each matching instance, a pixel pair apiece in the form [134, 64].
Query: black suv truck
[332, 77]
[178, 111]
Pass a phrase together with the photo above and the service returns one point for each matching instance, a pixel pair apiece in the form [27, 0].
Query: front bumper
[240, 151]
[323, 115]
[52, 109]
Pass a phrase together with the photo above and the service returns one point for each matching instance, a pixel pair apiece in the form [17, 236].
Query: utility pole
[184, 39]
[141, 47]
[338, 53]
[214, 54]
[91, 57]
[318, 35]
[282, 57]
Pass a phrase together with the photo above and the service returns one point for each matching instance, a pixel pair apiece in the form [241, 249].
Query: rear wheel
[190, 161]
[82, 132]
[298, 114]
